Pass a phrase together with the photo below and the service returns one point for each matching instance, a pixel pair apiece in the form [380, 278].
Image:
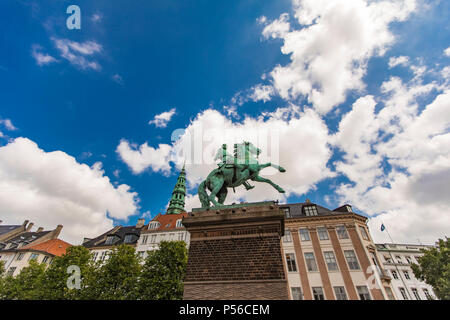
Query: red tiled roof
[167, 221]
[55, 247]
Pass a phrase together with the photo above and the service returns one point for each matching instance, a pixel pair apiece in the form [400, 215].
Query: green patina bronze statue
[234, 171]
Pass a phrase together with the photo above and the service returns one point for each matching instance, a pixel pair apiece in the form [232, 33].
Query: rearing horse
[234, 174]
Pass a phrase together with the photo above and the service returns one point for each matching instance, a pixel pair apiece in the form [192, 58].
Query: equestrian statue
[234, 171]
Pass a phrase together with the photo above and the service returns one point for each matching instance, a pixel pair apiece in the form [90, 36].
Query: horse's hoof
[282, 169]
[281, 191]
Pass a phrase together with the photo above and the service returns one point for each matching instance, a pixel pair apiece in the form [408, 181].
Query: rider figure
[236, 161]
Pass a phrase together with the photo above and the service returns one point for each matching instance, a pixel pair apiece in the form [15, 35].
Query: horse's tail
[204, 198]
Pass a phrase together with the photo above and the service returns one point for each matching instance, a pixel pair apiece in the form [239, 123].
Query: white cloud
[41, 58]
[140, 159]
[410, 194]
[261, 92]
[7, 123]
[329, 53]
[297, 135]
[447, 52]
[117, 78]
[77, 52]
[96, 17]
[161, 120]
[51, 188]
[395, 61]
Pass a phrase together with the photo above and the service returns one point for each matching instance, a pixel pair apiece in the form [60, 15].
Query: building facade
[397, 260]
[100, 246]
[330, 255]
[163, 227]
[19, 245]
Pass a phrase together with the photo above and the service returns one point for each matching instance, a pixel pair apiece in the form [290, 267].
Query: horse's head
[253, 149]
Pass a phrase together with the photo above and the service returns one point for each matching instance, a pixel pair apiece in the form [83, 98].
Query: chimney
[57, 231]
[140, 223]
[30, 225]
[39, 229]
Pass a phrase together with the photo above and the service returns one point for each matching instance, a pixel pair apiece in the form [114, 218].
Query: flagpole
[396, 268]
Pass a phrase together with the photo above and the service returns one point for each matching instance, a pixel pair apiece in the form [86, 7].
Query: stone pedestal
[235, 253]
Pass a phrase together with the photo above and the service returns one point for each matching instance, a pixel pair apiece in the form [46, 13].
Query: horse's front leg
[269, 164]
[277, 187]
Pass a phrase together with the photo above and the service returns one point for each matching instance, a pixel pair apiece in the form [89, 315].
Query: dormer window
[310, 210]
[349, 208]
[128, 238]
[109, 240]
[154, 225]
[179, 224]
[287, 212]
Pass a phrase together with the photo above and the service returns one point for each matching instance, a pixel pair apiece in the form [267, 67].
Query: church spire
[176, 204]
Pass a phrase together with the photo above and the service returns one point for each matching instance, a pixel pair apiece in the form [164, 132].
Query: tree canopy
[434, 268]
[122, 276]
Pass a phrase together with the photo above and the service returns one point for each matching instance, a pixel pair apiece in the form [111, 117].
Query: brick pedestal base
[235, 253]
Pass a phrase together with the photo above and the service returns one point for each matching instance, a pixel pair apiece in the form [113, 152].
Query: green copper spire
[176, 204]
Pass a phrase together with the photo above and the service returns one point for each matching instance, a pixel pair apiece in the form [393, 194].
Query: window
[141, 254]
[408, 259]
[387, 259]
[406, 273]
[128, 238]
[144, 239]
[287, 236]
[179, 224]
[363, 292]
[181, 236]
[364, 233]
[103, 255]
[318, 293]
[297, 293]
[153, 238]
[154, 225]
[416, 293]
[427, 294]
[322, 232]
[349, 208]
[287, 212]
[394, 274]
[11, 271]
[310, 210]
[33, 256]
[310, 261]
[45, 259]
[109, 240]
[94, 255]
[403, 292]
[340, 293]
[290, 261]
[389, 293]
[399, 259]
[342, 232]
[20, 256]
[304, 234]
[330, 259]
[351, 259]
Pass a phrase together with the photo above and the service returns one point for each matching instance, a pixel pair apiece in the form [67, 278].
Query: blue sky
[82, 92]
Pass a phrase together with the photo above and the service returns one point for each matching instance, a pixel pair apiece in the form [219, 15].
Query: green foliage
[27, 285]
[117, 278]
[55, 284]
[120, 277]
[434, 269]
[163, 272]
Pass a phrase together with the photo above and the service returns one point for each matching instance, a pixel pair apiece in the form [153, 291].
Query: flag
[382, 227]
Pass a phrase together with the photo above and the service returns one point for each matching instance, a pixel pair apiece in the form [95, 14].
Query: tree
[434, 268]
[27, 285]
[117, 278]
[163, 272]
[55, 279]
